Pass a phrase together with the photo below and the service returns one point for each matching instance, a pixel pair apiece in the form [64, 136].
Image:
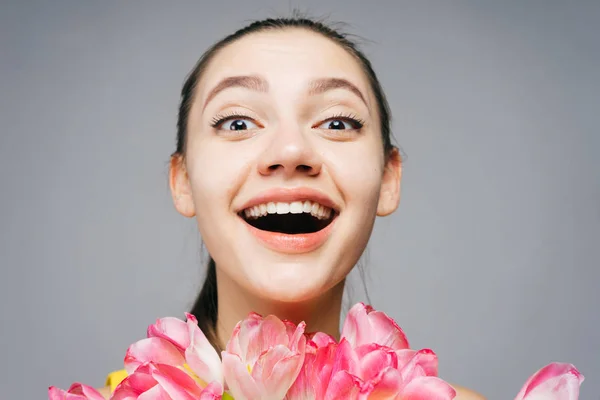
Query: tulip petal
[202, 357]
[153, 349]
[343, 385]
[320, 339]
[173, 330]
[554, 381]
[175, 382]
[85, 390]
[423, 363]
[314, 376]
[297, 340]
[156, 393]
[387, 385]
[77, 391]
[363, 325]
[259, 338]
[282, 374]
[374, 359]
[212, 392]
[428, 387]
[240, 383]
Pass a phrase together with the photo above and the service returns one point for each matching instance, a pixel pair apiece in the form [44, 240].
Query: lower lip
[293, 244]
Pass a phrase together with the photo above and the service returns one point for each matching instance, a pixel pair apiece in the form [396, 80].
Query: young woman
[284, 158]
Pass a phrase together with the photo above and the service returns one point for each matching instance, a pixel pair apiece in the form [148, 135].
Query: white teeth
[315, 209]
[283, 208]
[297, 207]
[306, 206]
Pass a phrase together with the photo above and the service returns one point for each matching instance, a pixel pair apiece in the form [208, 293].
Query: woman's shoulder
[105, 392]
[462, 393]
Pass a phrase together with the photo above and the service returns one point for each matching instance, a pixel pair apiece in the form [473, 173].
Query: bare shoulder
[104, 391]
[462, 393]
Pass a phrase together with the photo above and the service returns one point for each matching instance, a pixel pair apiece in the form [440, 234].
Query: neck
[235, 303]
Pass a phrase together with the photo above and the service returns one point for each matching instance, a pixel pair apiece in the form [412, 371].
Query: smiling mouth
[295, 218]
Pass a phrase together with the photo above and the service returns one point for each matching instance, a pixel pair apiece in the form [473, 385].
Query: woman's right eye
[235, 123]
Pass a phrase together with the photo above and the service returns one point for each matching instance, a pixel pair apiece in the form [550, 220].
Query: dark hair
[206, 305]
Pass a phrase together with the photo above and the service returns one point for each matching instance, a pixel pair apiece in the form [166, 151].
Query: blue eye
[235, 124]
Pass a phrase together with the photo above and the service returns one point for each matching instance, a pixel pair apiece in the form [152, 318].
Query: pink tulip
[77, 391]
[173, 330]
[387, 376]
[324, 374]
[556, 381]
[164, 382]
[363, 325]
[318, 339]
[427, 387]
[263, 357]
[153, 349]
[335, 371]
[177, 343]
[413, 363]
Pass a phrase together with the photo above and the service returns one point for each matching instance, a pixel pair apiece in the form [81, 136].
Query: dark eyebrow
[255, 83]
[320, 86]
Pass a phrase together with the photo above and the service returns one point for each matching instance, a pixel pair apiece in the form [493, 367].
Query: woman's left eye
[341, 124]
[236, 124]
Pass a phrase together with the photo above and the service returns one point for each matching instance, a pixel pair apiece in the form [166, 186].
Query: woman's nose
[290, 153]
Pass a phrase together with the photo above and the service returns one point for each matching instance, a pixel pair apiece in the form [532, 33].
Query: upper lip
[288, 195]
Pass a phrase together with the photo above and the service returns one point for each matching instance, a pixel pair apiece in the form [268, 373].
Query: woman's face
[284, 169]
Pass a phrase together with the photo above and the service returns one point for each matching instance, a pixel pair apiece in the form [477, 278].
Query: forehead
[293, 56]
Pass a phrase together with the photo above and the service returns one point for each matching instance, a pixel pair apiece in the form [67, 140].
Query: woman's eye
[236, 124]
[340, 124]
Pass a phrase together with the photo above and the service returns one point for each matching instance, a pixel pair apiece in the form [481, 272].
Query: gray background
[491, 260]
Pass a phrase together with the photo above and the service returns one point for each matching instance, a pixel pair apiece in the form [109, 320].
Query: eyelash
[221, 118]
[352, 119]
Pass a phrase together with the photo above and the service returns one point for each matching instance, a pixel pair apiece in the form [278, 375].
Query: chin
[293, 283]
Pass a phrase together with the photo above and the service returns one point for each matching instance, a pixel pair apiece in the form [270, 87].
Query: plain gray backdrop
[491, 259]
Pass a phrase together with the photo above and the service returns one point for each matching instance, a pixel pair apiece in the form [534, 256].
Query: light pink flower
[263, 357]
[371, 371]
[387, 376]
[164, 382]
[413, 363]
[324, 374]
[77, 391]
[556, 381]
[177, 343]
[364, 325]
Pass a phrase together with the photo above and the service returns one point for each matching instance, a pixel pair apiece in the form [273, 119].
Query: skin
[288, 144]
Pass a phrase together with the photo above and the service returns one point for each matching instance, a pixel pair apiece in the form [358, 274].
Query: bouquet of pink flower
[267, 358]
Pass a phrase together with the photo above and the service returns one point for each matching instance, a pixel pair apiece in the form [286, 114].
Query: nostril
[304, 168]
[274, 167]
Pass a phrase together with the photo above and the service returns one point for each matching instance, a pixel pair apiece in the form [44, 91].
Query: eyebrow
[258, 84]
[255, 83]
[320, 86]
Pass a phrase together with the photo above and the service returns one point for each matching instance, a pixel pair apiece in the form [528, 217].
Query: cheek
[357, 171]
[216, 173]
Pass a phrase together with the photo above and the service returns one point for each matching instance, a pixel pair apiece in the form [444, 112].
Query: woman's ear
[181, 190]
[389, 196]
